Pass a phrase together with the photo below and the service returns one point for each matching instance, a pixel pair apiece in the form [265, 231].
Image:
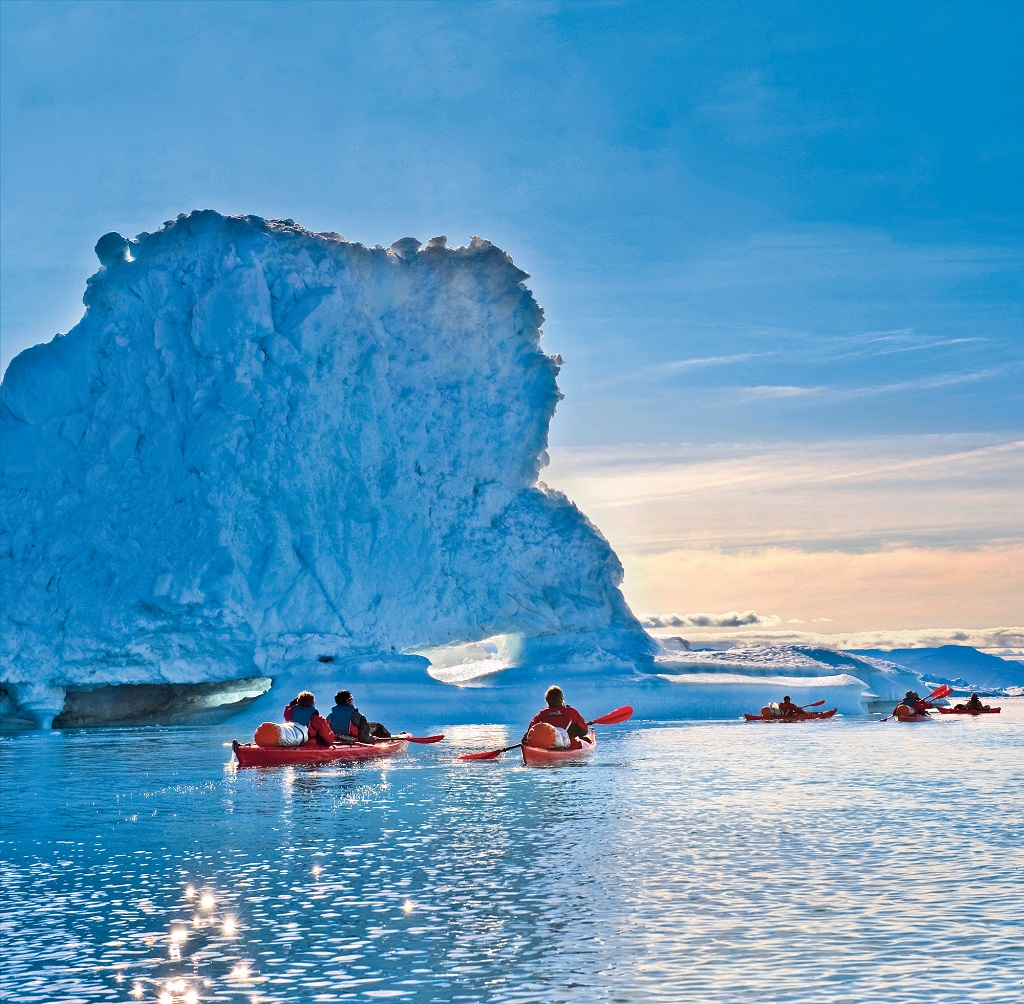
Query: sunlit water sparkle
[712, 863]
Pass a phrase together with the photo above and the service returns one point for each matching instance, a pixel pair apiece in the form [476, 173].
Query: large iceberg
[263, 446]
[269, 458]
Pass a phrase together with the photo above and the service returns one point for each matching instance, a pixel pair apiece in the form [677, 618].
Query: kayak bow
[532, 756]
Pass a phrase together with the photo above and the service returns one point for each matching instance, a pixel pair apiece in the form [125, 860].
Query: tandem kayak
[805, 716]
[250, 755]
[532, 756]
[965, 711]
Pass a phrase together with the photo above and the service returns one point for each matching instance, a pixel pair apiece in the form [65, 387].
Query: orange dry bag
[541, 736]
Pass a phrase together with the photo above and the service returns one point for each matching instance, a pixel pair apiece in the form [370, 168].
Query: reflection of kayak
[806, 716]
[964, 711]
[250, 755]
[533, 756]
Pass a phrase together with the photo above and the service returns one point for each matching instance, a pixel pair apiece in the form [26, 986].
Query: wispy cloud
[732, 619]
[946, 488]
[838, 393]
[869, 533]
[783, 391]
[670, 368]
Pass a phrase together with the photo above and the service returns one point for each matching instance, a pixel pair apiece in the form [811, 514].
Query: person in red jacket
[302, 711]
[787, 707]
[562, 716]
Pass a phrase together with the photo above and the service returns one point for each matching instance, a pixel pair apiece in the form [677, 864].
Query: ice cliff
[263, 445]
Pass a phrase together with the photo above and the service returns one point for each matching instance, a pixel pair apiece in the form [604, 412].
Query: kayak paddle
[804, 707]
[414, 739]
[612, 718]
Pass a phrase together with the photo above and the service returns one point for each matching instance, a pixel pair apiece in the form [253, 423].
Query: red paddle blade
[487, 755]
[815, 704]
[613, 717]
[423, 739]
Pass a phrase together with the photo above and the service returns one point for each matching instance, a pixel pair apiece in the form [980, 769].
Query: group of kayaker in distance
[556, 727]
[914, 706]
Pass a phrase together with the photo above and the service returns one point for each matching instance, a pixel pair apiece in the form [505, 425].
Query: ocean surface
[713, 863]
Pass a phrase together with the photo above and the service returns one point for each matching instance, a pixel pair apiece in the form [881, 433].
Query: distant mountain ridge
[960, 666]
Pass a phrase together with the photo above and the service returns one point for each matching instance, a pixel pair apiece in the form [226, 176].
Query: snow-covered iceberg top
[881, 679]
[263, 444]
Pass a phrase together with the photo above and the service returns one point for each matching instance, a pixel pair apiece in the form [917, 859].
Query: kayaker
[349, 725]
[912, 705]
[561, 716]
[973, 704]
[302, 711]
[787, 707]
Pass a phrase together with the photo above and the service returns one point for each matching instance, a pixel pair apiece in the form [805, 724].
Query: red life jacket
[561, 717]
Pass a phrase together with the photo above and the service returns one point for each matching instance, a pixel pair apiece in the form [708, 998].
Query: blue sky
[757, 230]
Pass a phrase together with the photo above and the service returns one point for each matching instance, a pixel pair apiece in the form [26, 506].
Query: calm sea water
[714, 863]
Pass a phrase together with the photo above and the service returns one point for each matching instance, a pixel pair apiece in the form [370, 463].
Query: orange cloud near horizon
[887, 533]
[891, 589]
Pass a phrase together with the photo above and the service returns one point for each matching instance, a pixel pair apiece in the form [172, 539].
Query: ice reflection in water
[710, 863]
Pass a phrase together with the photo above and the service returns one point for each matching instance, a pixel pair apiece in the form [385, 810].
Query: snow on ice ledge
[263, 446]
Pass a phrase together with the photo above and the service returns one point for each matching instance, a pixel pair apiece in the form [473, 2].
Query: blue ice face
[260, 439]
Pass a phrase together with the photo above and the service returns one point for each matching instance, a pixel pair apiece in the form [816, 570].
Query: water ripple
[712, 863]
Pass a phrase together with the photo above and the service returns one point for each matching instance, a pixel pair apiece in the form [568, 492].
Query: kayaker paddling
[532, 754]
[912, 706]
[973, 704]
[558, 726]
[349, 725]
[784, 712]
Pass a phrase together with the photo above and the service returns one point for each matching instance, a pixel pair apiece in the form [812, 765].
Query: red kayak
[532, 756]
[965, 711]
[250, 755]
[804, 716]
[911, 718]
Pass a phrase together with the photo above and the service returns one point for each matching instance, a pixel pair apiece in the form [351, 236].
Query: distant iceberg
[263, 446]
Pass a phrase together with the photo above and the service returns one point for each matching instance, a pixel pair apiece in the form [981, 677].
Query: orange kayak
[806, 716]
[535, 757]
[250, 755]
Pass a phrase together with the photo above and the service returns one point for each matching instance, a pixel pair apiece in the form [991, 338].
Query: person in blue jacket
[302, 711]
[348, 724]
